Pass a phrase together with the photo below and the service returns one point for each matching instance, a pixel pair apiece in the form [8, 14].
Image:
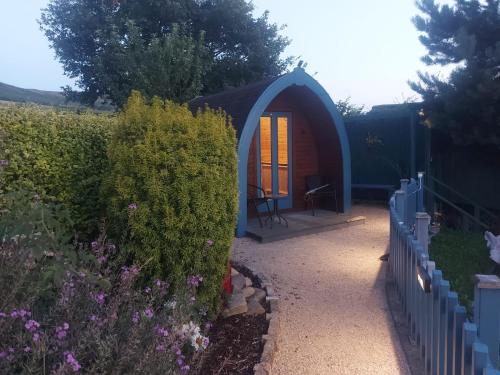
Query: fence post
[487, 313]
[420, 197]
[400, 204]
[423, 221]
[404, 188]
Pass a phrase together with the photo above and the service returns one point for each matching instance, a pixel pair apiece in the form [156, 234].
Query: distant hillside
[9, 93]
[17, 94]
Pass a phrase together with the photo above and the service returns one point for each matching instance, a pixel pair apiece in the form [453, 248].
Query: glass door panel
[283, 155]
[266, 171]
[273, 156]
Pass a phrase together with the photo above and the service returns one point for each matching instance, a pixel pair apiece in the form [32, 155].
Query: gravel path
[334, 317]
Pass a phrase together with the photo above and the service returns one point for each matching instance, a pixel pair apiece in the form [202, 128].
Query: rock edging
[270, 339]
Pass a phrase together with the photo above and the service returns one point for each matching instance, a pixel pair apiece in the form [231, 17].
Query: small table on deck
[276, 212]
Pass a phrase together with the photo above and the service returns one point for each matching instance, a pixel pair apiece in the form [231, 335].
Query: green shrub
[173, 187]
[59, 155]
[461, 255]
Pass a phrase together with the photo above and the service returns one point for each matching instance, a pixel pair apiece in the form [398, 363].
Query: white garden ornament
[493, 243]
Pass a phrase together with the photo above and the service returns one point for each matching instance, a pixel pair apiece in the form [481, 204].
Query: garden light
[424, 279]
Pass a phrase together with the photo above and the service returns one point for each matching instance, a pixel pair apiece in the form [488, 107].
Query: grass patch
[461, 255]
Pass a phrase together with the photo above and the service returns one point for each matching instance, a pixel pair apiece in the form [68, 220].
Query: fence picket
[479, 358]
[469, 336]
[459, 318]
[451, 303]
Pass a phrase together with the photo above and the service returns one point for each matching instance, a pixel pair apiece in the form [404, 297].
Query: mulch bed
[235, 342]
[235, 345]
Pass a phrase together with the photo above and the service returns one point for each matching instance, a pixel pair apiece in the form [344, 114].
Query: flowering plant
[100, 320]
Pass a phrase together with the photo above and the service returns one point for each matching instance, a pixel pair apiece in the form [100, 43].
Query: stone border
[270, 339]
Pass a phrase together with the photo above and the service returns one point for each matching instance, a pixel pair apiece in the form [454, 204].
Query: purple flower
[32, 325]
[132, 206]
[160, 331]
[27, 349]
[94, 245]
[135, 317]
[71, 361]
[92, 318]
[102, 259]
[61, 331]
[205, 341]
[148, 313]
[24, 313]
[210, 243]
[160, 348]
[129, 273]
[11, 350]
[147, 290]
[100, 297]
[3, 315]
[4, 163]
[14, 314]
[185, 368]
[195, 280]
[3, 354]
[36, 337]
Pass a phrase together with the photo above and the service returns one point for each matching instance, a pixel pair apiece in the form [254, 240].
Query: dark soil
[235, 346]
[235, 342]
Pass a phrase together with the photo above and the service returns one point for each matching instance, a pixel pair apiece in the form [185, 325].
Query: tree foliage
[467, 34]
[113, 46]
[348, 109]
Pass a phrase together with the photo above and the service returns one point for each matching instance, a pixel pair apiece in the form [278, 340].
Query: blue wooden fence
[448, 342]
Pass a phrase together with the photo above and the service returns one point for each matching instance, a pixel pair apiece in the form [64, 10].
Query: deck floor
[300, 224]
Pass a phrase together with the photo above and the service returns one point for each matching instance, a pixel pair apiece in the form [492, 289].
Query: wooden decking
[301, 224]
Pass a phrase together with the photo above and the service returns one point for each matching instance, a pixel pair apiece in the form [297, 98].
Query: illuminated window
[266, 171]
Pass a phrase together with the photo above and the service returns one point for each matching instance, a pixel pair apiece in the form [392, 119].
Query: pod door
[274, 161]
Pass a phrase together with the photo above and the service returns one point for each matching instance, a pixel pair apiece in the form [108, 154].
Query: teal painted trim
[300, 78]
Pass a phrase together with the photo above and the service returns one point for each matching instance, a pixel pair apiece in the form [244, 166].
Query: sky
[363, 49]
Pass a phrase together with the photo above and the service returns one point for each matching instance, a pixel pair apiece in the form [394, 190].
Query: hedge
[173, 188]
[59, 155]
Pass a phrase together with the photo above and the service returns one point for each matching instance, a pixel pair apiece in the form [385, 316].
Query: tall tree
[107, 46]
[467, 34]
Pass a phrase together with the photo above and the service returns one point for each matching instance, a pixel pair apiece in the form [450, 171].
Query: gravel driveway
[334, 317]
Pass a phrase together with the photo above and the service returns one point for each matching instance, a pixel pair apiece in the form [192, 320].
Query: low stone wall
[270, 339]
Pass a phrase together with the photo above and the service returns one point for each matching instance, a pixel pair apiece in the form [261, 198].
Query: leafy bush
[59, 155]
[461, 255]
[98, 321]
[173, 187]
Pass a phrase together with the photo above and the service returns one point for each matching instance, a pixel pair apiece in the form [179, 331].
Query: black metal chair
[256, 196]
[317, 188]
